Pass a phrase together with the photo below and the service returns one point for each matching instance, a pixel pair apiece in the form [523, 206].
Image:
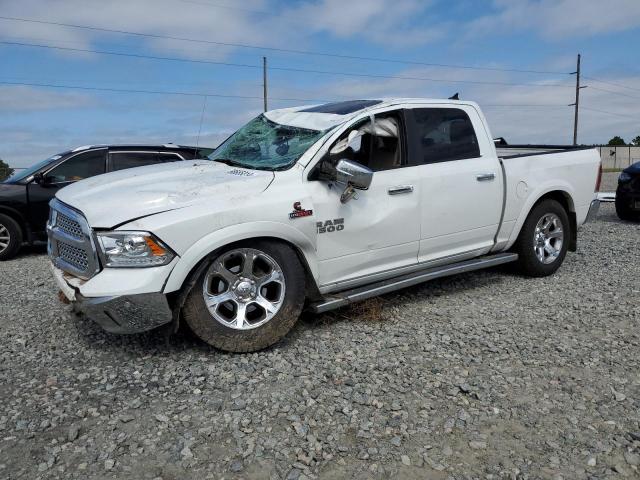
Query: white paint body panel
[198, 207]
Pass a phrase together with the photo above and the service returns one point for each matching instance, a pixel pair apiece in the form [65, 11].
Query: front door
[461, 183]
[379, 231]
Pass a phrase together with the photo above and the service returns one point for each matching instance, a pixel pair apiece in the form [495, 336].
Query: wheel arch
[192, 260]
[19, 219]
[563, 197]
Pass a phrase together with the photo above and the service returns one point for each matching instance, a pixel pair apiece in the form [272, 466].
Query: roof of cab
[328, 115]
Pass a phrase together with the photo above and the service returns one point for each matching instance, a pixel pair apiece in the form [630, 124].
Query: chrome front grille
[69, 225]
[73, 256]
[71, 245]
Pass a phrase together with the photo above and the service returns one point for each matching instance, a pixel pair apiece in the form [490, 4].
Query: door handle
[400, 189]
[486, 177]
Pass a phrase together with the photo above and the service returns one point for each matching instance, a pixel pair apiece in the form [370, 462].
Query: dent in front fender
[236, 233]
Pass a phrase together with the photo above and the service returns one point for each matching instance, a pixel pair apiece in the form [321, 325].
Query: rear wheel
[248, 298]
[543, 241]
[10, 237]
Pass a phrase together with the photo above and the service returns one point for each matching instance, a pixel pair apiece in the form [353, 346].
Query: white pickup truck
[314, 207]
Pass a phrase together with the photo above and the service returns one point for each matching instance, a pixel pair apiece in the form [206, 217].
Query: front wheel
[543, 241]
[248, 298]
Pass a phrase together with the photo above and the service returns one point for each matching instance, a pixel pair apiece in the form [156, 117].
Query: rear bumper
[126, 314]
[594, 208]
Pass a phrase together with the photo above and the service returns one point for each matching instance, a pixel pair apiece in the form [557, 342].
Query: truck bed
[528, 170]
[514, 151]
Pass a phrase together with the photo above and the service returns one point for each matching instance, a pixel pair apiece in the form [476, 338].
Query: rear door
[76, 167]
[461, 183]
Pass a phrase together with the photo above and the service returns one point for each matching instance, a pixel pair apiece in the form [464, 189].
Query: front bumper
[629, 199]
[126, 314]
[122, 314]
[594, 208]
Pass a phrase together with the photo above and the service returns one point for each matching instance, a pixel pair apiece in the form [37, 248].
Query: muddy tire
[10, 237]
[248, 297]
[544, 239]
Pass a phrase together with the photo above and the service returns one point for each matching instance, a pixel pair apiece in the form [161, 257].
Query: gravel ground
[484, 375]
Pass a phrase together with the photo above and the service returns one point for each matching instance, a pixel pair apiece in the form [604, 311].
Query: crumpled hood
[115, 198]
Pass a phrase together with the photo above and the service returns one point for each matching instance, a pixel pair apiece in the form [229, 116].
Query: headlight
[624, 177]
[133, 249]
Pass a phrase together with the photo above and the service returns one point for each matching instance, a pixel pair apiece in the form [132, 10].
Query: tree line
[5, 171]
[619, 141]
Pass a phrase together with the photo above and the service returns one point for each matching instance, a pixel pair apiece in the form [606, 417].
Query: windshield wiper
[233, 163]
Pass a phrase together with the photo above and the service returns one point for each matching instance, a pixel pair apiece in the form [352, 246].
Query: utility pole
[264, 81]
[577, 103]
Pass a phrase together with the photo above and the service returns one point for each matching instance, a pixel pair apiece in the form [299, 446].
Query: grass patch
[370, 310]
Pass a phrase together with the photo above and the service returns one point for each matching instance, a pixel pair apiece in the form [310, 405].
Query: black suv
[25, 196]
[628, 193]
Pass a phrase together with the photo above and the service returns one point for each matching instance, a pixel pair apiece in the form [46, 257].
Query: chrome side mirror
[352, 173]
[354, 176]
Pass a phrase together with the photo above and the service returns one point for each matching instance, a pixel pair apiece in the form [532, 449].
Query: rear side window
[79, 167]
[124, 160]
[444, 134]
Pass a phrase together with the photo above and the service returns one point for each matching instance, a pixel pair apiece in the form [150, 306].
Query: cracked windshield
[265, 145]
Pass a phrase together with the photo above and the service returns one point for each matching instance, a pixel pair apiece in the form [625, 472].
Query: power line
[609, 113]
[613, 92]
[612, 84]
[284, 69]
[158, 92]
[216, 95]
[277, 49]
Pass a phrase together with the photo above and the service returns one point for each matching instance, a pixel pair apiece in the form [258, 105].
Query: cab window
[443, 135]
[79, 167]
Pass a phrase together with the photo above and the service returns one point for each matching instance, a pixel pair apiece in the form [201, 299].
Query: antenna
[204, 106]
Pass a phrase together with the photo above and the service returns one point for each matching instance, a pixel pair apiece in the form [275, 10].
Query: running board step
[342, 299]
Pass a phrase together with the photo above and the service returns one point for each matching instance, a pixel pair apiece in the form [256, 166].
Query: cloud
[386, 22]
[557, 19]
[29, 99]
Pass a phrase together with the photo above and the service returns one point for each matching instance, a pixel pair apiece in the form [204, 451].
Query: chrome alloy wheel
[5, 238]
[547, 238]
[244, 288]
